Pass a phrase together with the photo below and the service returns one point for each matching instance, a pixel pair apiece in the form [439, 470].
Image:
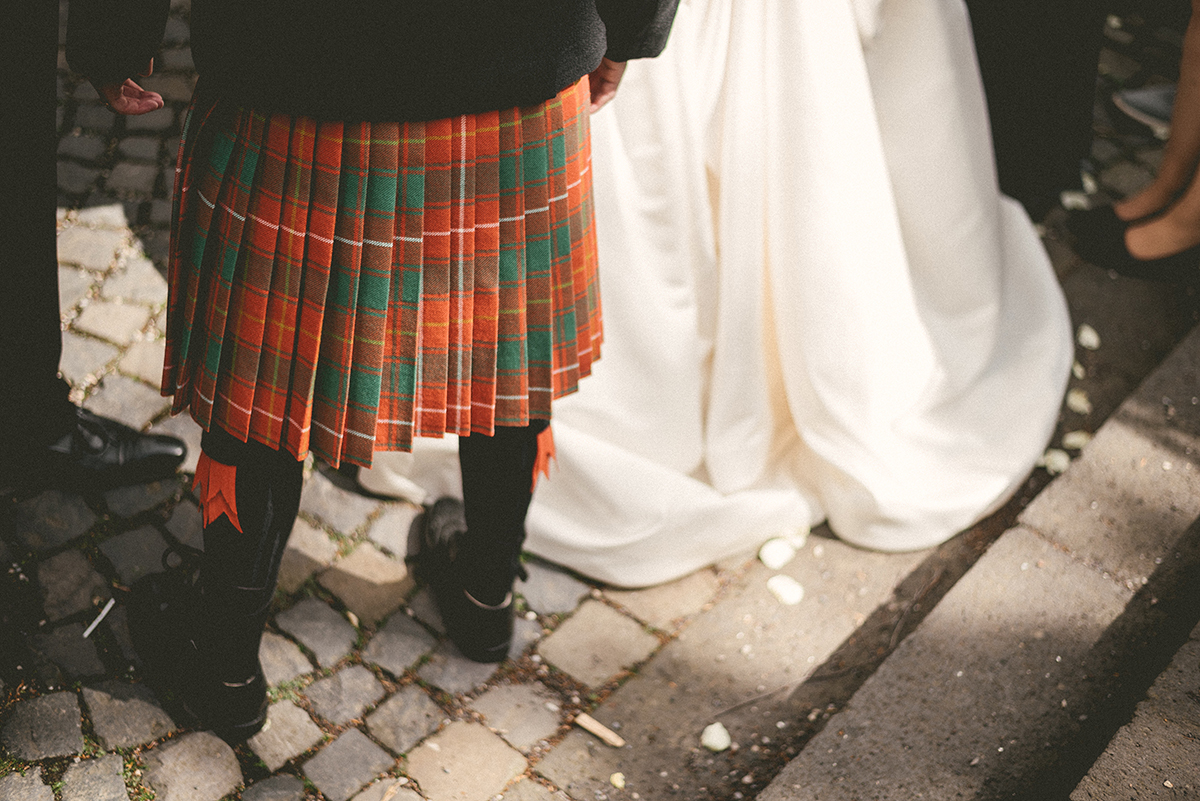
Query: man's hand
[604, 80]
[128, 97]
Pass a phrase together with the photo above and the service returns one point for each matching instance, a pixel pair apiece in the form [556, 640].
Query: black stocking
[239, 568]
[497, 476]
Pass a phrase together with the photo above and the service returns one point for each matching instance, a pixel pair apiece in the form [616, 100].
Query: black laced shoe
[163, 626]
[481, 632]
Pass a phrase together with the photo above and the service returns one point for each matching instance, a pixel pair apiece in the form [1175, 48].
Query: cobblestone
[133, 500]
[90, 249]
[99, 779]
[125, 715]
[399, 644]
[275, 788]
[115, 321]
[345, 695]
[308, 550]
[405, 719]
[139, 282]
[51, 519]
[70, 585]
[342, 511]
[46, 726]
[28, 787]
[661, 606]
[85, 359]
[281, 659]
[66, 648]
[596, 643]
[144, 361]
[464, 762]
[73, 285]
[288, 733]
[370, 584]
[135, 553]
[195, 767]
[391, 530]
[551, 590]
[127, 400]
[341, 768]
[381, 789]
[520, 713]
[453, 672]
[187, 525]
[319, 629]
[529, 790]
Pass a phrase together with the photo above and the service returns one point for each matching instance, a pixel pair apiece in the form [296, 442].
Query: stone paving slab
[1157, 754]
[523, 714]
[308, 551]
[345, 695]
[748, 647]
[70, 585]
[275, 788]
[979, 694]
[319, 629]
[371, 584]
[399, 644]
[27, 787]
[464, 762]
[405, 719]
[344, 766]
[194, 767]
[281, 659]
[46, 726]
[100, 779]
[596, 643]
[125, 715]
[288, 733]
[51, 519]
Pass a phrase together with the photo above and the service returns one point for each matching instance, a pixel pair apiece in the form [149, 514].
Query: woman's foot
[481, 631]
[1162, 237]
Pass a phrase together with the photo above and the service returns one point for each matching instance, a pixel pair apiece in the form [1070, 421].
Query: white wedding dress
[817, 305]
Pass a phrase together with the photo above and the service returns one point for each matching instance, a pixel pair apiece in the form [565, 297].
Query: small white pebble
[1078, 401]
[353, 618]
[715, 737]
[818, 551]
[1089, 183]
[1168, 784]
[786, 589]
[1074, 199]
[531, 615]
[617, 780]
[1078, 371]
[1167, 465]
[1087, 337]
[1076, 440]
[777, 552]
[1055, 461]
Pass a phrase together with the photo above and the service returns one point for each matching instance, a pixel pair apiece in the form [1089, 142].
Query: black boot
[470, 551]
[198, 628]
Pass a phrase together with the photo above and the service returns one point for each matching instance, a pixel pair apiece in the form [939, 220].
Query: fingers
[129, 98]
[604, 81]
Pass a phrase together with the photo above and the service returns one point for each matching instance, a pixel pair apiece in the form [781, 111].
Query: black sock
[497, 475]
[239, 568]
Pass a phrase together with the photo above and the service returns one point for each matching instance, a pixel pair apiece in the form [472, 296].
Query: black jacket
[375, 59]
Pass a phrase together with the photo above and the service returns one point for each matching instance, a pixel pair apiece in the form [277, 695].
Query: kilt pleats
[345, 287]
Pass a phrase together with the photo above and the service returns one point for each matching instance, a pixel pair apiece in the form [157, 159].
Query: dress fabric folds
[345, 287]
[818, 305]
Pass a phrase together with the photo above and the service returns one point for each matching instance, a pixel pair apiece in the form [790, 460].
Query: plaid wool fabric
[345, 287]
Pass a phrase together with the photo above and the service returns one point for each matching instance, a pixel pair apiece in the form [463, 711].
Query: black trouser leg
[497, 475]
[1038, 61]
[239, 568]
[33, 400]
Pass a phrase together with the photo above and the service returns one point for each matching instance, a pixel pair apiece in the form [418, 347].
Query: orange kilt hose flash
[345, 287]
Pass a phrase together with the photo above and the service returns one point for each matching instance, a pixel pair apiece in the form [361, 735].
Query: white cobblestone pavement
[844, 695]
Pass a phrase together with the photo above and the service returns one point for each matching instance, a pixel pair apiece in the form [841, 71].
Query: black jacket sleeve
[636, 28]
[111, 40]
